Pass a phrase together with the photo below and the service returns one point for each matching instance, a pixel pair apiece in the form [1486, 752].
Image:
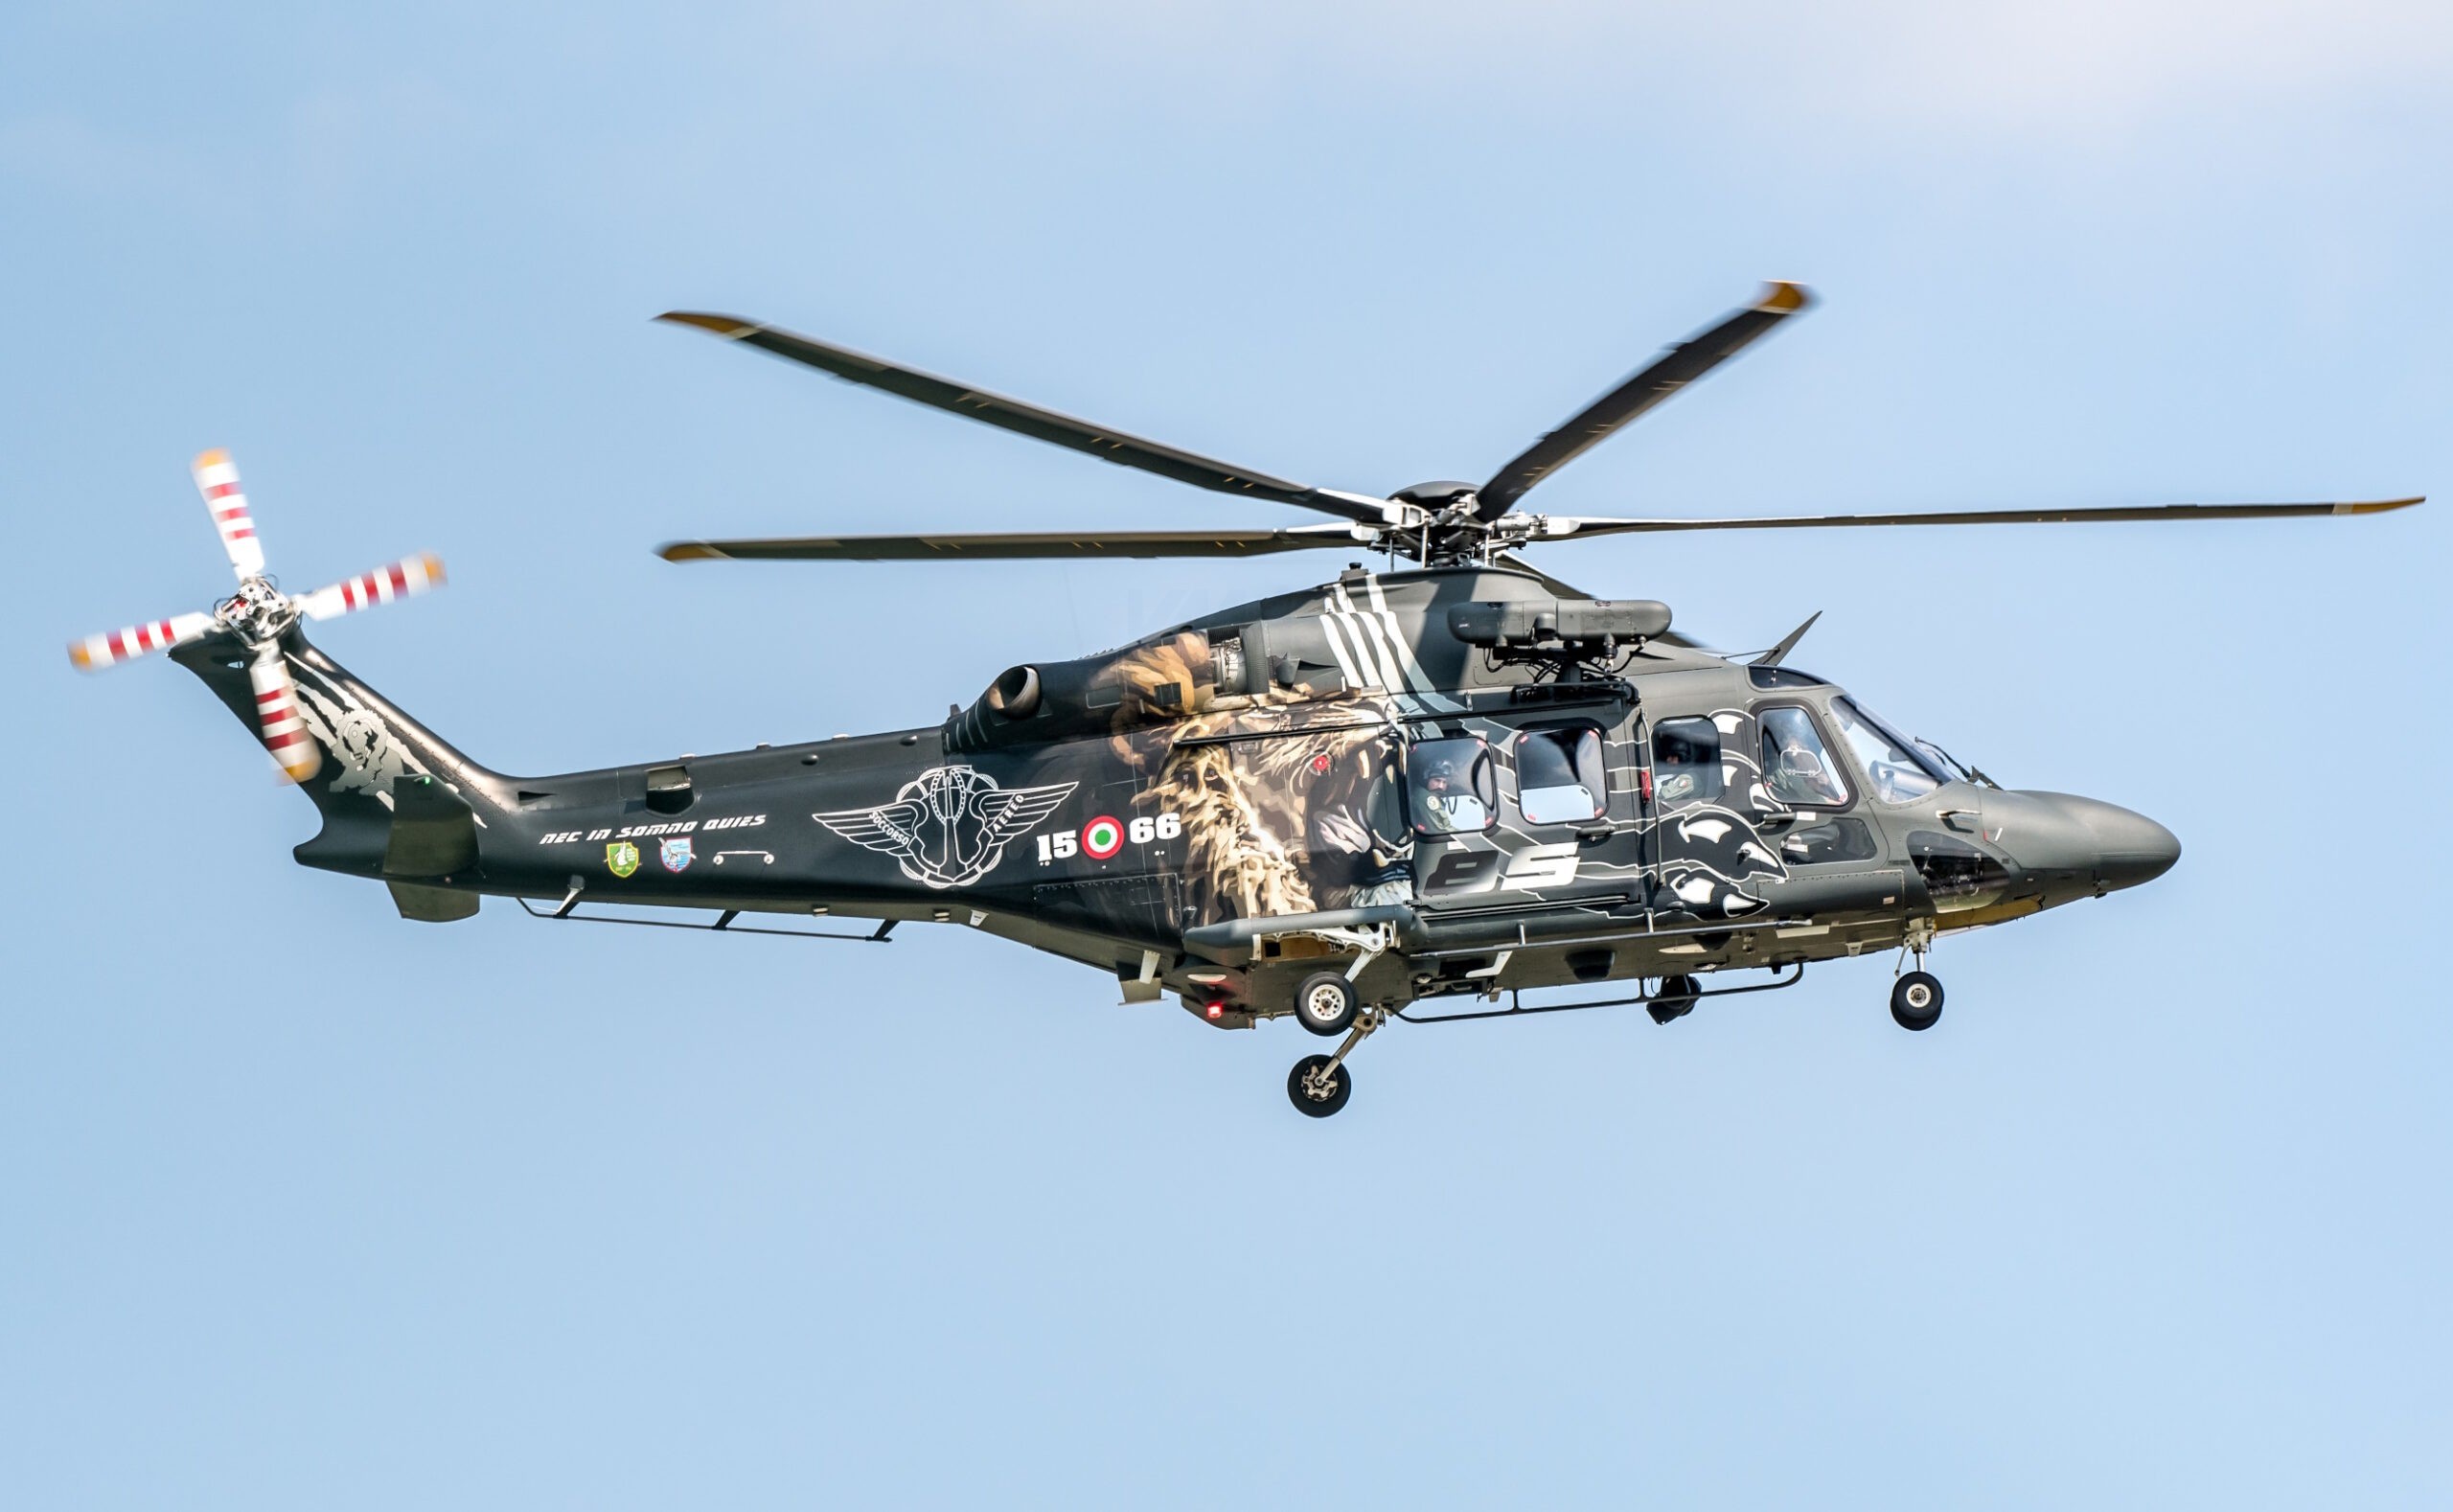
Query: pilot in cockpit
[1798, 773]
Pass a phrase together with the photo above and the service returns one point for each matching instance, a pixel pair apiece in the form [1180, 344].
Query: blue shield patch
[676, 854]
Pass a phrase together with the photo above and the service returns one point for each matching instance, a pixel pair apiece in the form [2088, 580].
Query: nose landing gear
[1917, 998]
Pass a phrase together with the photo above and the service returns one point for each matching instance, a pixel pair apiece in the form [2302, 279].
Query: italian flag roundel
[1102, 838]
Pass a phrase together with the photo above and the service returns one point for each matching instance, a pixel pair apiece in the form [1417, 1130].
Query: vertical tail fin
[370, 749]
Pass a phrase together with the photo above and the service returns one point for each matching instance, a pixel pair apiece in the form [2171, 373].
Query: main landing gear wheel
[1325, 1004]
[1676, 998]
[1916, 1000]
[1316, 1088]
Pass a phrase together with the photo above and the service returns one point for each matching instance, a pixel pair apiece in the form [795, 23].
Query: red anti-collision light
[1217, 1010]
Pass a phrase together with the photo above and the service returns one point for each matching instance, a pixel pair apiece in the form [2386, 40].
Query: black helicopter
[1458, 781]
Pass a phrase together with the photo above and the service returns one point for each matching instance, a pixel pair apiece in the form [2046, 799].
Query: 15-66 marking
[1105, 836]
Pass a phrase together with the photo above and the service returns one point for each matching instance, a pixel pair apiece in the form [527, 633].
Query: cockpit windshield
[1901, 770]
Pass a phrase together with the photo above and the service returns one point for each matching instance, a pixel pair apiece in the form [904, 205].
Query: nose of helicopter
[2114, 846]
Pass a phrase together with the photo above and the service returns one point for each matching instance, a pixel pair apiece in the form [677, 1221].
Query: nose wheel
[1917, 1001]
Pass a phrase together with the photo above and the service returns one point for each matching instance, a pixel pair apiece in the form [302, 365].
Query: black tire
[1675, 1000]
[1917, 1001]
[1340, 1087]
[1325, 1003]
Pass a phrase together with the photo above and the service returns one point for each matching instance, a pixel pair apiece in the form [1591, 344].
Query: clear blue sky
[304, 1206]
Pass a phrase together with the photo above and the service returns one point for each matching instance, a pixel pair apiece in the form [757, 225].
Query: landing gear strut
[1319, 1084]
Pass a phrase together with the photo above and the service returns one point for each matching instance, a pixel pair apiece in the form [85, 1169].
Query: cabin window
[1559, 775]
[1454, 786]
[1897, 772]
[1686, 761]
[1797, 768]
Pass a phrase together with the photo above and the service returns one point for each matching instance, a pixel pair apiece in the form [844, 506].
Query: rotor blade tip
[80, 657]
[2380, 506]
[1780, 297]
[688, 551]
[434, 565]
[212, 457]
[721, 324]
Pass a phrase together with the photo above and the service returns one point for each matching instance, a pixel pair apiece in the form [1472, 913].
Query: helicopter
[1397, 795]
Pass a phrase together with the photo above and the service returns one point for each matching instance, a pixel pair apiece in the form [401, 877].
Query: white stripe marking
[1337, 649]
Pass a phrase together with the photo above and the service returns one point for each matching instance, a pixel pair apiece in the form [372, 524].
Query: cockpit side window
[1797, 768]
[1898, 771]
[1559, 775]
[1686, 761]
[1454, 786]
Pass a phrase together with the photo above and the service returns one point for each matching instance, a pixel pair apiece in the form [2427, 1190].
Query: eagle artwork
[949, 827]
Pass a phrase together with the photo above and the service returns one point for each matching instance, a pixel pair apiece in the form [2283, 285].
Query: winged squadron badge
[949, 827]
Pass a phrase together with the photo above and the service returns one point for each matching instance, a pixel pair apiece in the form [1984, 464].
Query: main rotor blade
[217, 478]
[1673, 370]
[1565, 525]
[1029, 419]
[96, 652]
[1014, 547]
[404, 578]
[277, 712]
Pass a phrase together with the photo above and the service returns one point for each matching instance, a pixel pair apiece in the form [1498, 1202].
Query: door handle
[1967, 821]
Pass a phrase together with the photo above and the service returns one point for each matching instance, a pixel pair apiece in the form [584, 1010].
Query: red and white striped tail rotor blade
[96, 652]
[286, 734]
[217, 478]
[404, 578]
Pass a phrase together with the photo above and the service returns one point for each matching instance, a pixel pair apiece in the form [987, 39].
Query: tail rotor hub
[258, 613]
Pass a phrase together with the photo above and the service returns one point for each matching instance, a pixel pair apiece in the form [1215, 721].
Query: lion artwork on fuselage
[1284, 821]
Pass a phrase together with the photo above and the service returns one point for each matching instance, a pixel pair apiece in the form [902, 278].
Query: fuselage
[1204, 811]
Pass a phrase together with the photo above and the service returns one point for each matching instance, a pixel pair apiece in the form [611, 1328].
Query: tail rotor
[257, 616]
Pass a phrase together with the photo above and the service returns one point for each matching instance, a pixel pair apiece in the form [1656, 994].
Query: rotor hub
[257, 612]
[1438, 497]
